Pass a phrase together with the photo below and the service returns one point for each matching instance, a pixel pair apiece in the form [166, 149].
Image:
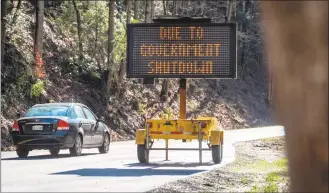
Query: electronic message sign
[181, 50]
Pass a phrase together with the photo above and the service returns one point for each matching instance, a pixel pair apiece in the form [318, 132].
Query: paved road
[116, 171]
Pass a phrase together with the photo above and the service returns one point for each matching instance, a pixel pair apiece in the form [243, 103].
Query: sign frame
[233, 48]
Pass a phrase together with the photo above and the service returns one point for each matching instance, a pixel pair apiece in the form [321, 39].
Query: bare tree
[148, 11]
[164, 4]
[110, 50]
[297, 38]
[136, 10]
[152, 9]
[122, 70]
[77, 12]
[3, 28]
[96, 38]
[38, 48]
[243, 29]
[228, 10]
[174, 11]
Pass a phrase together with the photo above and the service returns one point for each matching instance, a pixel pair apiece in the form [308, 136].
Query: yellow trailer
[201, 129]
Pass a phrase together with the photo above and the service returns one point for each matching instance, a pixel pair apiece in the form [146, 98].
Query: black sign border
[233, 54]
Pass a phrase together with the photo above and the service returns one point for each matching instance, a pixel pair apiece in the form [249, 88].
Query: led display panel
[181, 50]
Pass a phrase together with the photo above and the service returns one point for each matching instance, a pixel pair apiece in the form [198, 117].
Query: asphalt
[117, 171]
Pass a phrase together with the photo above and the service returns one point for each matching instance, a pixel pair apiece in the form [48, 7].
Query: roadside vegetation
[260, 166]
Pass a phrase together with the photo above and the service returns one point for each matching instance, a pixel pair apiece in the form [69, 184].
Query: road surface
[117, 171]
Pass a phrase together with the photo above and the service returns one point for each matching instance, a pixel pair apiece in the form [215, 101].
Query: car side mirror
[102, 119]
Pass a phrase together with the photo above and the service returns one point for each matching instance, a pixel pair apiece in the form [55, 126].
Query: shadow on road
[173, 164]
[42, 157]
[117, 172]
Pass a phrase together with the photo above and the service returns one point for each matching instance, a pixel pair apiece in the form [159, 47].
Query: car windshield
[47, 111]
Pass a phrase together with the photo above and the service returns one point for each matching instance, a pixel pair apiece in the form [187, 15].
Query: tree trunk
[136, 10]
[270, 88]
[148, 11]
[174, 11]
[3, 28]
[244, 30]
[152, 9]
[296, 34]
[38, 48]
[184, 4]
[16, 14]
[77, 12]
[96, 38]
[164, 4]
[233, 10]
[122, 70]
[110, 50]
[129, 6]
[164, 90]
[228, 10]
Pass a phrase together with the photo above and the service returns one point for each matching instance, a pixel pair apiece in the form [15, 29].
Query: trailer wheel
[217, 153]
[142, 153]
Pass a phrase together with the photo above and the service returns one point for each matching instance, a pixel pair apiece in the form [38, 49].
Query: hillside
[236, 104]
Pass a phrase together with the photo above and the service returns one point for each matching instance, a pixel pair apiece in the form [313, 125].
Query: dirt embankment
[236, 104]
[260, 166]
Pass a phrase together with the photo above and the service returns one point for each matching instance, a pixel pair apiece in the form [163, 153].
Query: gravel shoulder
[260, 166]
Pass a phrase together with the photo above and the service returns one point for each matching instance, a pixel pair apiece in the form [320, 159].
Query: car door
[85, 125]
[97, 132]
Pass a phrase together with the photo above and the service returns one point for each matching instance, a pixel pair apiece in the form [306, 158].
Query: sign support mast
[182, 98]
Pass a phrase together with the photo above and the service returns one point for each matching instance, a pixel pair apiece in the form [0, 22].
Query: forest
[75, 51]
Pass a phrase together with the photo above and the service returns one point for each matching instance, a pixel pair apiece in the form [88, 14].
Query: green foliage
[271, 183]
[141, 108]
[254, 189]
[95, 75]
[264, 165]
[245, 180]
[94, 30]
[272, 177]
[94, 26]
[168, 112]
[135, 21]
[281, 163]
[120, 42]
[272, 180]
[271, 187]
[38, 88]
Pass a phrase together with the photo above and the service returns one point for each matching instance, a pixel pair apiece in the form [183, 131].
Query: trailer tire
[142, 153]
[217, 153]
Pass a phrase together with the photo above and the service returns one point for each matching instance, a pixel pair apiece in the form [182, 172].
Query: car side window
[78, 112]
[71, 113]
[89, 114]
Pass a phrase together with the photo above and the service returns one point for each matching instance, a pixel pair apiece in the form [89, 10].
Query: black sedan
[56, 126]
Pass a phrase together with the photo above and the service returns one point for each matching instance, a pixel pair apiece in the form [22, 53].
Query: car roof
[58, 104]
